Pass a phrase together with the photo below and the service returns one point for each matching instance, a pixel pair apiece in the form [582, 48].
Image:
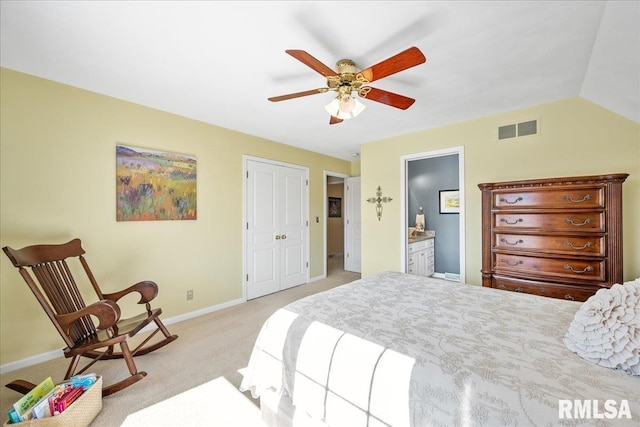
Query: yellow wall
[57, 182]
[57, 177]
[577, 138]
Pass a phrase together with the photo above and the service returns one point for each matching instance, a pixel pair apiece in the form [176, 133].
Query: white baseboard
[452, 277]
[315, 279]
[202, 311]
[30, 361]
[54, 354]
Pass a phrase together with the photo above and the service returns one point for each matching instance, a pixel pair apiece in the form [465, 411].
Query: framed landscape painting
[449, 201]
[154, 185]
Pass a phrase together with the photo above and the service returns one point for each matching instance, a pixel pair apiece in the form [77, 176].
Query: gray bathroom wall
[425, 179]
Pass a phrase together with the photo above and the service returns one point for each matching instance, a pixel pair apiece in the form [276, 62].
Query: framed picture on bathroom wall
[449, 201]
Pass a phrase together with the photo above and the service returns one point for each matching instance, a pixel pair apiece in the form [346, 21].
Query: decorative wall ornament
[153, 185]
[379, 200]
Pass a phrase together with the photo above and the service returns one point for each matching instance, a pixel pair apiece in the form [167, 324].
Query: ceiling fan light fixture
[345, 107]
[347, 104]
[359, 108]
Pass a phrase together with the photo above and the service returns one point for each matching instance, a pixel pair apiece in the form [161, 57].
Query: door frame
[326, 174]
[245, 170]
[403, 202]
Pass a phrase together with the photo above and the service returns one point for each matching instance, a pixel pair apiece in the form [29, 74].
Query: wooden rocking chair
[55, 289]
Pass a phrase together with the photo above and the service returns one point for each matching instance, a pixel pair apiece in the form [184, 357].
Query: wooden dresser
[558, 237]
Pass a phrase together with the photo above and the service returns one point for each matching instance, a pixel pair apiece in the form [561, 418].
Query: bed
[395, 349]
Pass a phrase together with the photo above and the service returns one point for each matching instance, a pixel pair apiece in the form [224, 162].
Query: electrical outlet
[189, 295]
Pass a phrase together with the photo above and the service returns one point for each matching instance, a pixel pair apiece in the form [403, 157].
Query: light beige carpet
[210, 347]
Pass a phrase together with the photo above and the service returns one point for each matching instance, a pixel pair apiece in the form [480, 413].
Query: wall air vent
[517, 130]
[507, 131]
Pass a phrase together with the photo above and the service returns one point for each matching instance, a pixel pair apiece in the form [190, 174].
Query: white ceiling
[218, 62]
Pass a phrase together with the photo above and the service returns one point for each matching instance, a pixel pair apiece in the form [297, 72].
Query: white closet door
[352, 250]
[276, 229]
[263, 225]
[293, 228]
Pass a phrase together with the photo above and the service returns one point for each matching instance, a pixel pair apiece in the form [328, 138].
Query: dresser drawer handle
[584, 270]
[519, 290]
[519, 199]
[585, 222]
[506, 221]
[506, 261]
[503, 287]
[569, 297]
[572, 246]
[503, 240]
[584, 199]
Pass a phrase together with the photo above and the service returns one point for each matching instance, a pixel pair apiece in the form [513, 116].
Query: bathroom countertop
[428, 234]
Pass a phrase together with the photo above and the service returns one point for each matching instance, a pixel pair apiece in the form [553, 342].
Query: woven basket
[80, 414]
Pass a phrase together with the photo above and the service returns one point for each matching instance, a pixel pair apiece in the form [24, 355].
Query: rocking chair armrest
[107, 312]
[147, 290]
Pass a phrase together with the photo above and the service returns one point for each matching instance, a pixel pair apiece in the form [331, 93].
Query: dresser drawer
[572, 269]
[553, 290]
[574, 221]
[589, 245]
[559, 197]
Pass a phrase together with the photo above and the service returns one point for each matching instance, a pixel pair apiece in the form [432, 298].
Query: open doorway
[427, 178]
[334, 192]
[335, 225]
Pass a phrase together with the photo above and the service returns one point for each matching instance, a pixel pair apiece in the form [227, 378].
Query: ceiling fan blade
[334, 120]
[298, 94]
[405, 59]
[311, 62]
[389, 98]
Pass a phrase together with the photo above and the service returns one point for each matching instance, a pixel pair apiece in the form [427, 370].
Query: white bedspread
[401, 350]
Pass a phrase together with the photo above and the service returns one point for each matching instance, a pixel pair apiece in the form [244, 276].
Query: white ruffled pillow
[606, 328]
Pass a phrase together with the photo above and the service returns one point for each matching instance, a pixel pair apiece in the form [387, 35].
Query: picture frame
[155, 185]
[335, 207]
[449, 201]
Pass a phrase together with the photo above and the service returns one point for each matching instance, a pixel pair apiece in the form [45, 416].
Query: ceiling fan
[346, 80]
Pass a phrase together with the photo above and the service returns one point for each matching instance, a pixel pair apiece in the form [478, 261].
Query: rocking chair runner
[73, 320]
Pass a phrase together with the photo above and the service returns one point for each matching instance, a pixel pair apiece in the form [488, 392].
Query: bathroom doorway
[428, 178]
